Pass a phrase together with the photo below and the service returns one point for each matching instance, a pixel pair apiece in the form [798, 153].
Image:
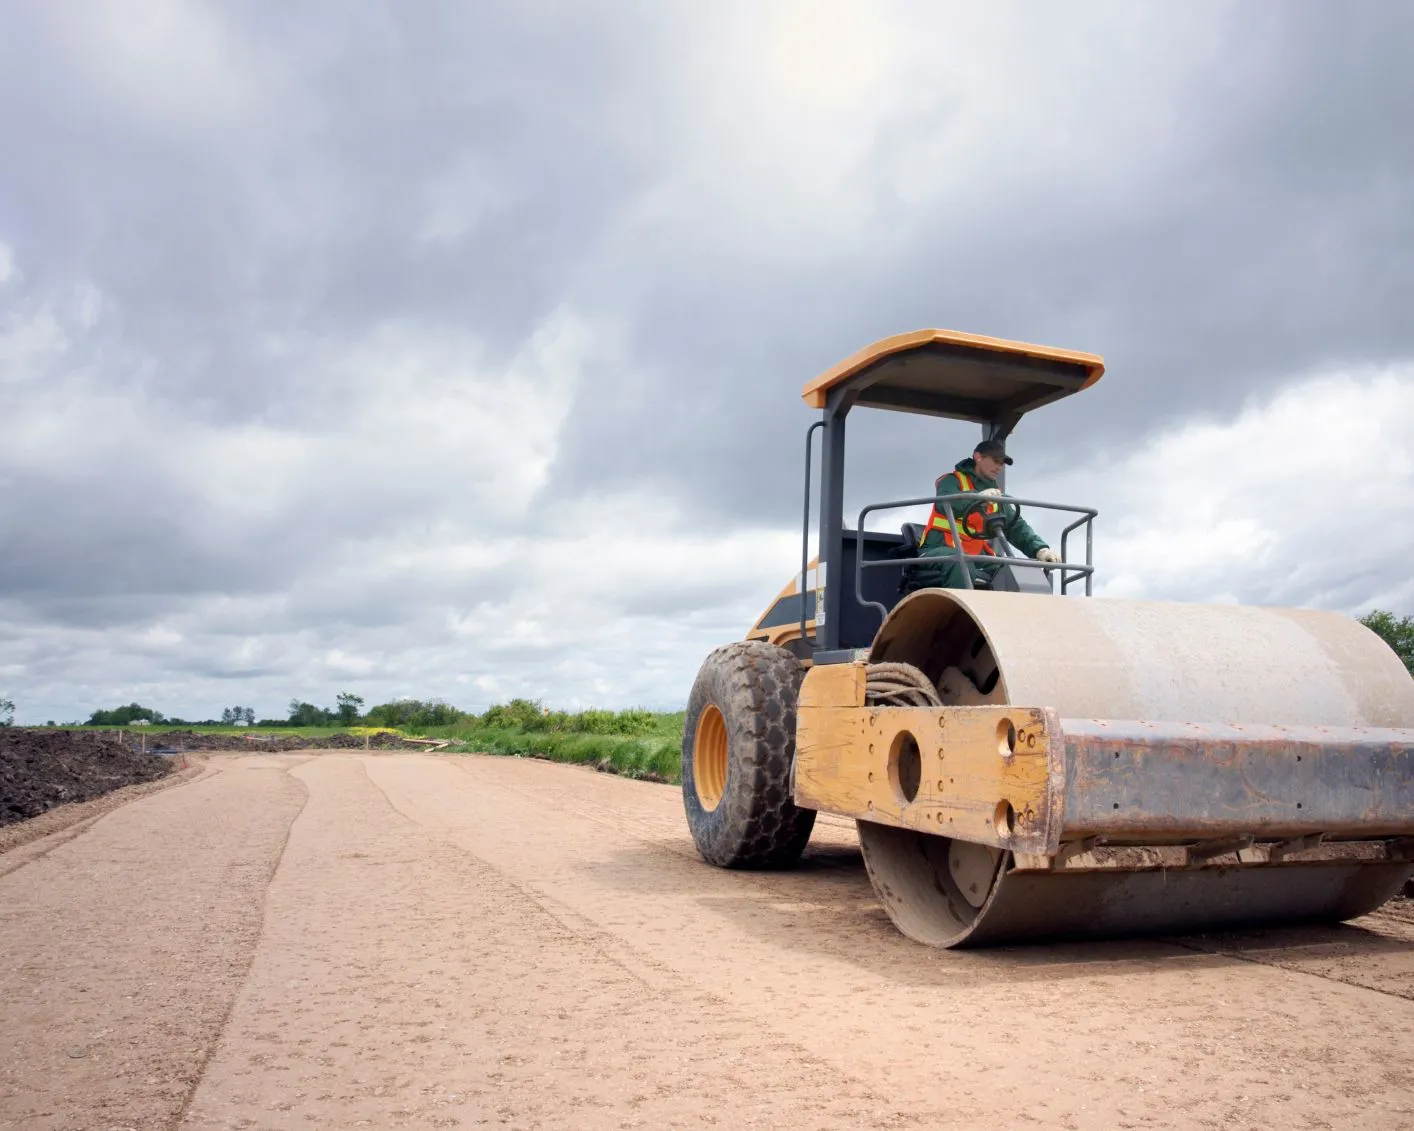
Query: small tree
[7, 712]
[1398, 633]
[349, 705]
[308, 715]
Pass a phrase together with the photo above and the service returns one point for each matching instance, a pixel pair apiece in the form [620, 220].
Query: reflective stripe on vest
[973, 526]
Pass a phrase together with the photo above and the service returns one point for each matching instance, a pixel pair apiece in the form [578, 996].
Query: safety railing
[1069, 571]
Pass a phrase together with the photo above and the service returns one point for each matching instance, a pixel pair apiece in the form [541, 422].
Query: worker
[979, 473]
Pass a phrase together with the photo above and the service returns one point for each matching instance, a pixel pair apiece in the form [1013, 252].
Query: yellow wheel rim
[709, 758]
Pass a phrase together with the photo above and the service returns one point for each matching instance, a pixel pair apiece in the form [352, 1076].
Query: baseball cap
[994, 448]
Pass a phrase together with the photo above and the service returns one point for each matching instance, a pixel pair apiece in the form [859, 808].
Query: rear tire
[738, 747]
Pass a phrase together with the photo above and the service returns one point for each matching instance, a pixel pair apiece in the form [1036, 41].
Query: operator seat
[912, 538]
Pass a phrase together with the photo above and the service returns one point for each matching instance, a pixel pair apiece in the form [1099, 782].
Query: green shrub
[593, 722]
[518, 714]
[404, 713]
[532, 716]
[635, 720]
[1397, 632]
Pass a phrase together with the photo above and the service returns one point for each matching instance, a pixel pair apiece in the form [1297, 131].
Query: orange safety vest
[938, 521]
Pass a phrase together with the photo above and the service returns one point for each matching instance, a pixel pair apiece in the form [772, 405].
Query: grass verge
[653, 754]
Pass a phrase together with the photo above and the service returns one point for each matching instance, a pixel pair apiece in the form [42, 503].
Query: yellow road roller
[1026, 761]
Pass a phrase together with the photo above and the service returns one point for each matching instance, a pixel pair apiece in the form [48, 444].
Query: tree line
[347, 711]
[401, 714]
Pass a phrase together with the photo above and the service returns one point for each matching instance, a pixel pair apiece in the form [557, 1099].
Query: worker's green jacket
[947, 575]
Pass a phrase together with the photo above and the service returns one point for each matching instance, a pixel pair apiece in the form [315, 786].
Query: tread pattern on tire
[755, 685]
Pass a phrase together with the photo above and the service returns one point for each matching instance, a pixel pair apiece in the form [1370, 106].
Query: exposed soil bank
[40, 769]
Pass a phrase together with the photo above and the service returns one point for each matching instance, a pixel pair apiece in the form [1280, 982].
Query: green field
[636, 744]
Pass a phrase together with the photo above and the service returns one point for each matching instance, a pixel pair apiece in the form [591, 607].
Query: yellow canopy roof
[965, 376]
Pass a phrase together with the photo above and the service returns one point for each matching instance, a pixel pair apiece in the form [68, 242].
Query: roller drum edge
[920, 891]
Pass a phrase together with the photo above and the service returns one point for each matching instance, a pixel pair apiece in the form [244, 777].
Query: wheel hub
[709, 758]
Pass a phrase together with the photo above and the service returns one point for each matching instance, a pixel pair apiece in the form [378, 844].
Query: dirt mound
[385, 740]
[40, 769]
[168, 741]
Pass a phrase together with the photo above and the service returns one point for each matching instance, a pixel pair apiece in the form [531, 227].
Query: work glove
[991, 491]
[1046, 554]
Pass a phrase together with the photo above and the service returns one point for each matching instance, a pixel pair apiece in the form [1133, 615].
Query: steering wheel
[1005, 514]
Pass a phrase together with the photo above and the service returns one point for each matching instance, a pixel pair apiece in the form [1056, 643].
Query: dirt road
[346, 940]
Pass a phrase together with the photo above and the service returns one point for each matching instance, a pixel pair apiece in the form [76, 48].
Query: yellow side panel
[834, 685]
[991, 775]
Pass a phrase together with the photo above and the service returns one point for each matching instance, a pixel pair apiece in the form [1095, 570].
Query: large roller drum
[1166, 667]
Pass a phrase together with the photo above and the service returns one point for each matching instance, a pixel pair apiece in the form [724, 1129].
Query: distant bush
[631, 721]
[405, 713]
[594, 721]
[531, 716]
[125, 716]
[636, 720]
[518, 714]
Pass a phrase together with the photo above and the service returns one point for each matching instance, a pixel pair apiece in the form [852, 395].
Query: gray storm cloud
[322, 328]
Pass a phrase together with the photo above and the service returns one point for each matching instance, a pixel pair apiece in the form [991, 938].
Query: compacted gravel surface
[399, 940]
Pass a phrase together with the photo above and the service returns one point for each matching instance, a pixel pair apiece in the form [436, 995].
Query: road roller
[1026, 761]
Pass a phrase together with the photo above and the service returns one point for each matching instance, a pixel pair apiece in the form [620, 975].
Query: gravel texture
[401, 940]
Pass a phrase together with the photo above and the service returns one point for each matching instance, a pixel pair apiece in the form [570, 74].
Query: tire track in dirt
[122, 949]
[1375, 952]
[1131, 1034]
[404, 981]
[571, 923]
[210, 1048]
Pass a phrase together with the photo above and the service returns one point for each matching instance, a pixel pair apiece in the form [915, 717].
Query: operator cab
[989, 381]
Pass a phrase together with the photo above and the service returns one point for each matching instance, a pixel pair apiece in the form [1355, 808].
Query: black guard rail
[1069, 571]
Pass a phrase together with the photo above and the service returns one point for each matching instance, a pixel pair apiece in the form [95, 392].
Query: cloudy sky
[454, 349]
